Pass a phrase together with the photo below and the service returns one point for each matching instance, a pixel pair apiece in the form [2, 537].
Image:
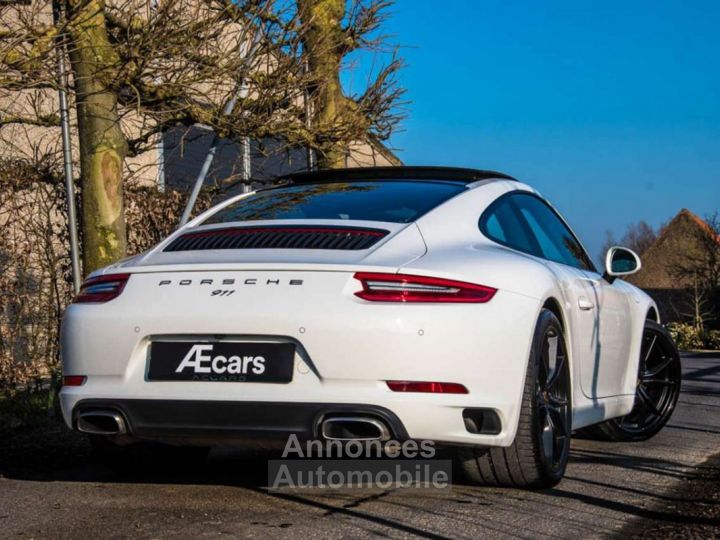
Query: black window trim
[485, 216]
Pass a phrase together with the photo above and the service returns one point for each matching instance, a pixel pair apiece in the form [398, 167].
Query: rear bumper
[203, 420]
[231, 421]
[346, 350]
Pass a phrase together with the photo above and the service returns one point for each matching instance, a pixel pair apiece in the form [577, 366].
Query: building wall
[177, 155]
[184, 151]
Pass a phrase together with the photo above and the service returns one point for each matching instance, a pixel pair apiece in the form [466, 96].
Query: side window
[556, 241]
[494, 228]
[503, 223]
[549, 249]
[525, 222]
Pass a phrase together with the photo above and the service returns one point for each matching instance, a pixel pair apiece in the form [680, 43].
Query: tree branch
[41, 120]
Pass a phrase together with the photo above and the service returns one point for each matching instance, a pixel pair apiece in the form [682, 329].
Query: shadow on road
[662, 483]
[66, 457]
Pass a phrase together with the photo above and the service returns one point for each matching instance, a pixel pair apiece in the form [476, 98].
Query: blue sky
[611, 109]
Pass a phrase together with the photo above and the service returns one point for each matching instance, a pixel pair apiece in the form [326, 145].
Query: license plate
[220, 361]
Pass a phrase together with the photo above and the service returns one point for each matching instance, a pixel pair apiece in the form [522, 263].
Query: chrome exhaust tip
[101, 422]
[354, 428]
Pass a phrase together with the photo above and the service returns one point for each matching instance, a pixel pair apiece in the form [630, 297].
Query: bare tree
[332, 29]
[701, 261]
[638, 237]
[709, 257]
[699, 269]
[139, 67]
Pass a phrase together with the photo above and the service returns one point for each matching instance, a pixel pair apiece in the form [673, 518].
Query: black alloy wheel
[538, 456]
[658, 385]
[552, 394]
[656, 391]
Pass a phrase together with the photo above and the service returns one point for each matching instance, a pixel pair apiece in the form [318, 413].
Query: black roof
[456, 174]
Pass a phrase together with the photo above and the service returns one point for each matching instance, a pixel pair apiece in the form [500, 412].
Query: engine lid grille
[279, 237]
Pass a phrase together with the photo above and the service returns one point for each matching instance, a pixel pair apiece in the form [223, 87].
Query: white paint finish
[351, 345]
[348, 347]
[613, 335]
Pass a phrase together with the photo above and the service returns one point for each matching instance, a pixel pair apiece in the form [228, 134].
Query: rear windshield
[398, 202]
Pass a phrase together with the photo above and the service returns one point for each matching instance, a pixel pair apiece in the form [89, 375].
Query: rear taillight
[378, 287]
[74, 380]
[427, 387]
[101, 288]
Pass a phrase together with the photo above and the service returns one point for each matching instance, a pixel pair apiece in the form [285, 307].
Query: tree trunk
[322, 41]
[102, 144]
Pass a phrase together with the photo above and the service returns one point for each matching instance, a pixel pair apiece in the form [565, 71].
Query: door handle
[585, 304]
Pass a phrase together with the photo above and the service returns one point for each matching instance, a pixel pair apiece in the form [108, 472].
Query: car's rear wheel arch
[526, 462]
[553, 305]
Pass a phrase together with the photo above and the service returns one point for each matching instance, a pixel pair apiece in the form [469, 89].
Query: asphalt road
[50, 489]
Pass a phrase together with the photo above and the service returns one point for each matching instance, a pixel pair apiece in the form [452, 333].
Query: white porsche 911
[452, 305]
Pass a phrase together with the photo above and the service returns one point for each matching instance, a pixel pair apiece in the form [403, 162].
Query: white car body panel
[349, 368]
[348, 347]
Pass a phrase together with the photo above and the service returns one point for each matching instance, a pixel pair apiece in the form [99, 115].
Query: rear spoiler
[359, 174]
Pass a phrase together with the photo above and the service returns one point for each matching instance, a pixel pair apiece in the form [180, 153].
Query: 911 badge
[230, 282]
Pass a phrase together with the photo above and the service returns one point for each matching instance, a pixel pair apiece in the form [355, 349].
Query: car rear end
[254, 329]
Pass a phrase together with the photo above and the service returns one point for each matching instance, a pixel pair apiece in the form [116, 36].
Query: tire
[658, 388]
[146, 457]
[538, 456]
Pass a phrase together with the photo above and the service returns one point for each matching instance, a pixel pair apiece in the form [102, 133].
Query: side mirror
[620, 261]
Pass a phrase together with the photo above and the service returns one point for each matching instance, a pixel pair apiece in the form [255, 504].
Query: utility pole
[311, 161]
[67, 154]
[246, 157]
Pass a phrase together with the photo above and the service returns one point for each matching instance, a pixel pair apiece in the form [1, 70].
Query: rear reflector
[427, 387]
[378, 287]
[74, 380]
[101, 288]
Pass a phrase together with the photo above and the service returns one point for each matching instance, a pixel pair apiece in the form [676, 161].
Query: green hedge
[688, 337]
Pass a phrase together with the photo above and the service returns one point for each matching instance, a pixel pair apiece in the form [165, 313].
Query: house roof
[677, 245]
